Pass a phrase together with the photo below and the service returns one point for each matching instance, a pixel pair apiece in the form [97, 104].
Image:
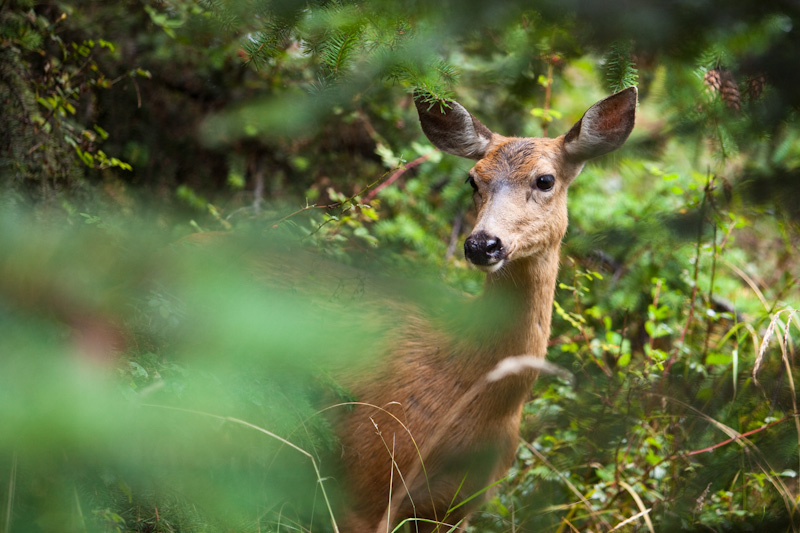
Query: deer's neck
[523, 291]
[511, 318]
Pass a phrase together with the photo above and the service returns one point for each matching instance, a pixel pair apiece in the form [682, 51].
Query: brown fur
[431, 429]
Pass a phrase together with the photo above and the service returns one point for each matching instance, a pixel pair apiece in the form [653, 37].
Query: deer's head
[520, 184]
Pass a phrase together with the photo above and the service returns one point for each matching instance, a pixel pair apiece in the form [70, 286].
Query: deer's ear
[603, 128]
[453, 129]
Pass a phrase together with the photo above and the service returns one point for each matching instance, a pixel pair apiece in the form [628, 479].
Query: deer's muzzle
[484, 250]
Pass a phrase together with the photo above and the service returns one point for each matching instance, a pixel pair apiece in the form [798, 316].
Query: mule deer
[439, 421]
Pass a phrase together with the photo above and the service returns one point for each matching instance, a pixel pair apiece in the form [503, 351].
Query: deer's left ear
[603, 128]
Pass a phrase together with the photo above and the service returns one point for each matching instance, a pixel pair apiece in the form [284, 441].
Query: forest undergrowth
[151, 381]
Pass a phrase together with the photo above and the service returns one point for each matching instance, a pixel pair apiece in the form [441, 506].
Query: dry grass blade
[394, 499]
[507, 367]
[775, 322]
[787, 350]
[747, 279]
[12, 483]
[394, 468]
[631, 519]
[763, 348]
[788, 499]
[270, 434]
[640, 504]
[412, 521]
[589, 507]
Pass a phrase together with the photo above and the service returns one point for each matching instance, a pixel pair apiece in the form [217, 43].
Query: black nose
[483, 249]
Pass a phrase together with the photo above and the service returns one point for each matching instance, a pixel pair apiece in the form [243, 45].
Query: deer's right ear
[603, 128]
[453, 129]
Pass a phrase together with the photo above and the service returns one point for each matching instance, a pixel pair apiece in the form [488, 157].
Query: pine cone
[720, 80]
[713, 80]
[755, 86]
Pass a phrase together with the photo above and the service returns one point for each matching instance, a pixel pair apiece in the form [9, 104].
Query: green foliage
[153, 386]
[190, 428]
[50, 81]
[620, 70]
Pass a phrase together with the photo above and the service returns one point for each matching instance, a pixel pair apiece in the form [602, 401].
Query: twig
[656, 296]
[138, 94]
[306, 208]
[458, 222]
[735, 438]
[258, 188]
[547, 90]
[334, 205]
[711, 295]
[755, 454]
[688, 324]
[397, 173]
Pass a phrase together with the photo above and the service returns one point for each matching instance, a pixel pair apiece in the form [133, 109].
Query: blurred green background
[151, 381]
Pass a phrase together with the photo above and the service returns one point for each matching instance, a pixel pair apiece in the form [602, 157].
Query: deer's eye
[471, 182]
[545, 182]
